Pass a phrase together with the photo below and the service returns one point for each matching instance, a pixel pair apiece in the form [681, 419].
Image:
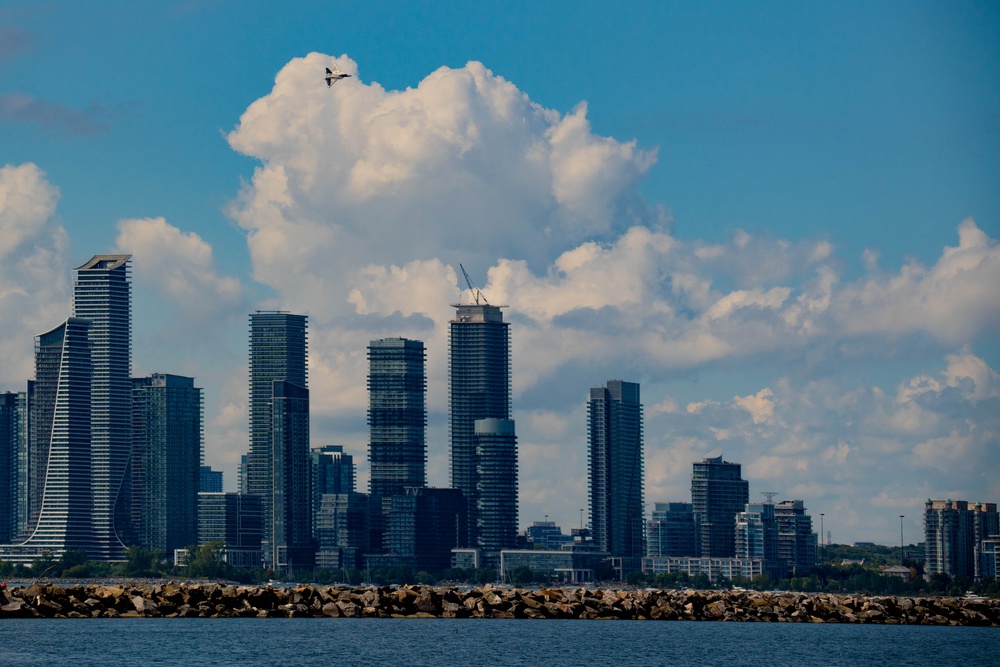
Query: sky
[780, 218]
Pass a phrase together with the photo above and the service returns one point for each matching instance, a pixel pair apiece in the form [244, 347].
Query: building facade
[757, 532]
[478, 388]
[341, 530]
[234, 520]
[10, 442]
[289, 532]
[670, 531]
[60, 488]
[796, 539]
[167, 449]
[615, 439]
[496, 486]
[954, 533]
[397, 422]
[278, 348]
[718, 494]
[423, 526]
[102, 294]
[211, 480]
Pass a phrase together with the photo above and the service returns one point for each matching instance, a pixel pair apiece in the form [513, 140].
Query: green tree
[206, 561]
[140, 562]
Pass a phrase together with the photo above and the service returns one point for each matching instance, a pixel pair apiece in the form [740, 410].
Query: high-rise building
[102, 294]
[10, 437]
[718, 494]
[291, 506]
[167, 450]
[954, 535]
[277, 355]
[478, 388]
[757, 532]
[211, 480]
[242, 475]
[614, 422]
[424, 525]
[59, 495]
[496, 486]
[796, 539]
[24, 422]
[397, 419]
[670, 531]
[332, 472]
[341, 530]
[235, 521]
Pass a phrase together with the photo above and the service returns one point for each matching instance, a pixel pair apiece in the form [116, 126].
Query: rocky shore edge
[216, 600]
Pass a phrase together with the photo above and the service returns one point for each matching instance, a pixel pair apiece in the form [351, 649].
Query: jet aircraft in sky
[334, 75]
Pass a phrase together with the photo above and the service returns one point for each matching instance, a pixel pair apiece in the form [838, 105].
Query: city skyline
[782, 221]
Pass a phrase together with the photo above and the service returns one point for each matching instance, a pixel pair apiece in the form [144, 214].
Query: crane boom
[476, 294]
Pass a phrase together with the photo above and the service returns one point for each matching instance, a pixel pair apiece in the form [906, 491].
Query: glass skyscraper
[60, 513]
[479, 388]
[614, 421]
[102, 294]
[277, 362]
[397, 421]
[166, 461]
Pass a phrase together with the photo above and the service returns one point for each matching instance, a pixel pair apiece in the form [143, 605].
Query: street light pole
[821, 515]
[901, 539]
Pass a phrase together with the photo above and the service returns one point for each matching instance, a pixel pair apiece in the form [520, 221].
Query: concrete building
[496, 486]
[671, 531]
[718, 494]
[397, 422]
[167, 449]
[235, 520]
[478, 388]
[278, 348]
[954, 533]
[615, 441]
[716, 569]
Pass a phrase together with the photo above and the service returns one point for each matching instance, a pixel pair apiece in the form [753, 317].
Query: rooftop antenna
[476, 294]
[770, 496]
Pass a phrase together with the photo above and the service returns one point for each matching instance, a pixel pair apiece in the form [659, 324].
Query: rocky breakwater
[173, 600]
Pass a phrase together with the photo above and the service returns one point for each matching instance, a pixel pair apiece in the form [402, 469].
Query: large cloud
[365, 201]
[34, 269]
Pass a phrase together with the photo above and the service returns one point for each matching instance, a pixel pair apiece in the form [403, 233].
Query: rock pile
[220, 600]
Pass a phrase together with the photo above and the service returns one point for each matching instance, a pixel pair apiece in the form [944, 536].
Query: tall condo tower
[60, 477]
[479, 388]
[496, 470]
[277, 358]
[166, 461]
[102, 294]
[397, 421]
[614, 421]
[718, 494]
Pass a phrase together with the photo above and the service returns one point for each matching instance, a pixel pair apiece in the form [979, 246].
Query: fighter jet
[334, 75]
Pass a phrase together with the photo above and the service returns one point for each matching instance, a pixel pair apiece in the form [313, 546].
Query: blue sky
[769, 258]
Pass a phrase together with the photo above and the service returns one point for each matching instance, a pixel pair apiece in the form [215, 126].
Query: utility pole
[901, 539]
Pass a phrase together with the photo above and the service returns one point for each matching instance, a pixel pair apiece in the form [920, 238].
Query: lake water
[246, 642]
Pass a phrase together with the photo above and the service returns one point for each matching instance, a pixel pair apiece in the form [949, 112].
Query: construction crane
[476, 294]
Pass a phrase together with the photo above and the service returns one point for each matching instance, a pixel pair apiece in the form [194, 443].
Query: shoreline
[174, 599]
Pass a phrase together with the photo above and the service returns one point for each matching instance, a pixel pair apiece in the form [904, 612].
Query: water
[246, 642]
